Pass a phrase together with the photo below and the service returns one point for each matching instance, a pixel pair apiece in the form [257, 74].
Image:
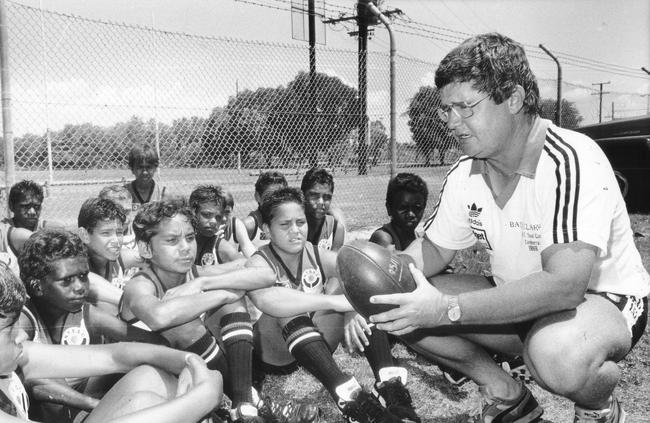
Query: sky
[609, 39]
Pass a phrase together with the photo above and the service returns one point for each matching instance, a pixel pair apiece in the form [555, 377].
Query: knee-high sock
[237, 336]
[309, 348]
[208, 348]
[378, 351]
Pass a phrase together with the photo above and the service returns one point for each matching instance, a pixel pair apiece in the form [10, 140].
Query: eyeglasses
[462, 109]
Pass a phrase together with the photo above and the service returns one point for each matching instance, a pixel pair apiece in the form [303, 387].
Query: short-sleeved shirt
[564, 191]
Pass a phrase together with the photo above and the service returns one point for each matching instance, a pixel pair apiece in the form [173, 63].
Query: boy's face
[173, 248]
[105, 240]
[27, 211]
[66, 286]
[318, 199]
[271, 188]
[288, 229]
[407, 210]
[210, 218]
[143, 172]
[11, 343]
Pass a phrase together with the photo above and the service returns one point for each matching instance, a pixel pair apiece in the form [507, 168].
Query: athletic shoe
[245, 413]
[393, 395]
[291, 412]
[523, 409]
[515, 366]
[612, 414]
[365, 408]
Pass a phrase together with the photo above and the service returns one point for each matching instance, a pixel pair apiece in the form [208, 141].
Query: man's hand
[425, 307]
[356, 331]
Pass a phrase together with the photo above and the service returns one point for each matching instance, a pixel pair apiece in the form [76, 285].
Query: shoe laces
[395, 393]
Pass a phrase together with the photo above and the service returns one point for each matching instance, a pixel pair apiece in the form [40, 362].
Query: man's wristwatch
[453, 309]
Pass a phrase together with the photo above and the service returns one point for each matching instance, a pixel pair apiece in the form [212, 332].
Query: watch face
[454, 314]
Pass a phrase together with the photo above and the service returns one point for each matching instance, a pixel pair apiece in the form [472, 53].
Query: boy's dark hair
[111, 191]
[266, 179]
[494, 64]
[23, 188]
[205, 194]
[230, 200]
[143, 154]
[276, 198]
[43, 248]
[317, 175]
[95, 210]
[408, 182]
[12, 292]
[146, 222]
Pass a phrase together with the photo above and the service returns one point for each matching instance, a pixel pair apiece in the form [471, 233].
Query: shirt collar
[532, 151]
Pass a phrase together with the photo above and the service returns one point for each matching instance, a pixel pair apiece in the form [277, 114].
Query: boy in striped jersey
[568, 290]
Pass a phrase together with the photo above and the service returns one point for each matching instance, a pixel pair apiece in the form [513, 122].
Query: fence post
[7, 128]
[50, 158]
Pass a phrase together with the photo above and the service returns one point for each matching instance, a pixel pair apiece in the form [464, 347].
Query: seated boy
[148, 393]
[208, 203]
[234, 224]
[101, 225]
[120, 195]
[25, 203]
[143, 162]
[54, 268]
[156, 299]
[286, 334]
[325, 230]
[251, 229]
[406, 199]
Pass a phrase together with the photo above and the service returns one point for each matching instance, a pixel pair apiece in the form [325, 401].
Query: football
[368, 269]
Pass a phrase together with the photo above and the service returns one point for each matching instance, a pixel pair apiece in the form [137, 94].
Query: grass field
[439, 402]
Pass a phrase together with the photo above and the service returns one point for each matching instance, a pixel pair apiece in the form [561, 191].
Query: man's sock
[378, 351]
[237, 336]
[309, 348]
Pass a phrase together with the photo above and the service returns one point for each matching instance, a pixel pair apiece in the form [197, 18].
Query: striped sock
[237, 336]
[309, 348]
[208, 348]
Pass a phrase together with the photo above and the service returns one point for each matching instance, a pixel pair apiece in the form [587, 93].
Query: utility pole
[313, 107]
[600, 102]
[365, 18]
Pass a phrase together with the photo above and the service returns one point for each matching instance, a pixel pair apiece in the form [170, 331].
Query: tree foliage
[571, 117]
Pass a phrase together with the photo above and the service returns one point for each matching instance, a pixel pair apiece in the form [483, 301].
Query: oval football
[368, 269]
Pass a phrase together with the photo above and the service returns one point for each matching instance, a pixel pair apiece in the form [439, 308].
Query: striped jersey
[564, 191]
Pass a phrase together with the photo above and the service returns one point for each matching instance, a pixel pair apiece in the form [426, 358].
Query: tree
[378, 141]
[570, 115]
[429, 132]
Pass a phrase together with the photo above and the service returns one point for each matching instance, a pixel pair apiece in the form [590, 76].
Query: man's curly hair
[43, 248]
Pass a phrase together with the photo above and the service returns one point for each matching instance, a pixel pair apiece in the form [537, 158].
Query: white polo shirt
[564, 191]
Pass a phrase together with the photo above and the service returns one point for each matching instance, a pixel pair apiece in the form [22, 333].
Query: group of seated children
[188, 300]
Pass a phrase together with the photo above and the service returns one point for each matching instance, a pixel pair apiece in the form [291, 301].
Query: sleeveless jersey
[138, 200]
[259, 237]
[13, 397]
[324, 237]
[388, 228]
[160, 292]
[74, 332]
[309, 278]
[128, 239]
[8, 254]
[229, 230]
[208, 251]
[115, 273]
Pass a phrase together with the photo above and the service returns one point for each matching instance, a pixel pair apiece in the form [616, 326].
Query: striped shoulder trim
[429, 220]
[567, 190]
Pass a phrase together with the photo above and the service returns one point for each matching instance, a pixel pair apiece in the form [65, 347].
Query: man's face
[210, 218]
[27, 211]
[66, 286]
[488, 132]
[173, 248]
[288, 228]
[407, 209]
[105, 240]
[11, 343]
[318, 199]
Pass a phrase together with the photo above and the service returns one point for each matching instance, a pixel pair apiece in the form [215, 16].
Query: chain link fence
[218, 111]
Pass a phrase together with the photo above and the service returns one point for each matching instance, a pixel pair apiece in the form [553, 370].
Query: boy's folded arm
[58, 392]
[278, 301]
[103, 290]
[60, 361]
[247, 278]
